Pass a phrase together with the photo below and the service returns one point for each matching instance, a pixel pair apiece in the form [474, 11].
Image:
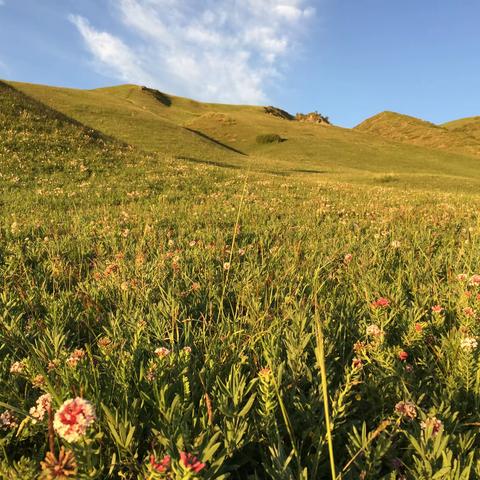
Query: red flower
[418, 327]
[191, 462]
[403, 355]
[162, 466]
[381, 303]
[437, 309]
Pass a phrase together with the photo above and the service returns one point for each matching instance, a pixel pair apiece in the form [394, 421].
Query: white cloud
[218, 50]
[111, 52]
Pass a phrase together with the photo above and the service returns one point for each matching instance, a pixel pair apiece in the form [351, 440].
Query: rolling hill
[468, 126]
[388, 148]
[411, 130]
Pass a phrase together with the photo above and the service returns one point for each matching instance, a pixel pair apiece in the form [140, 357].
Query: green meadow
[230, 307]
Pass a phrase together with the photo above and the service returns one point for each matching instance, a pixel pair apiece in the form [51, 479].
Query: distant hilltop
[312, 117]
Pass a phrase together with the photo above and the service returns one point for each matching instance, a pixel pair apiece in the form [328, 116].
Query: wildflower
[162, 466]
[63, 468]
[381, 303]
[461, 277]
[53, 364]
[162, 352]
[226, 266]
[17, 368]
[151, 373]
[347, 258]
[432, 423]
[357, 363]
[191, 462]
[104, 342]
[402, 355]
[469, 311]
[467, 293]
[187, 350]
[73, 418]
[418, 327]
[469, 344]
[241, 252]
[43, 404]
[38, 381]
[77, 355]
[437, 309]
[374, 330]
[359, 347]
[409, 368]
[475, 280]
[8, 421]
[396, 244]
[406, 409]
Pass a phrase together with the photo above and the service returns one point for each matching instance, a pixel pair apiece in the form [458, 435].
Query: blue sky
[348, 59]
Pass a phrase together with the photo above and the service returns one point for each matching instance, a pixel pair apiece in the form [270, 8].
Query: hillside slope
[469, 126]
[407, 129]
[226, 135]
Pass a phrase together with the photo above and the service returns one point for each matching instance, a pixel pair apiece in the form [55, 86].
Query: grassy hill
[411, 130]
[469, 126]
[433, 157]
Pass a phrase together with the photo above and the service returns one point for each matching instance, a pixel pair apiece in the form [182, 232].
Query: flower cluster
[162, 352]
[406, 409]
[381, 302]
[43, 405]
[77, 355]
[432, 423]
[17, 368]
[469, 344]
[8, 421]
[73, 418]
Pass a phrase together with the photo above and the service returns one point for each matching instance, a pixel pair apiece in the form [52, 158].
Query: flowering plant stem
[320, 354]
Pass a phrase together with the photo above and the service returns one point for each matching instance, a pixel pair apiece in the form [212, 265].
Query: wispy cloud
[219, 50]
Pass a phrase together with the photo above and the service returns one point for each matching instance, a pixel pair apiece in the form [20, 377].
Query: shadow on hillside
[42, 108]
[210, 162]
[305, 170]
[158, 95]
[220, 144]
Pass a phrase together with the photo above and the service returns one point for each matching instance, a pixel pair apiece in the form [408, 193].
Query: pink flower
[434, 423]
[77, 355]
[17, 368]
[403, 355]
[381, 303]
[461, 277]
[357, 363]
[162, 352]
[469, 311]
[73, 418]
[43, 405]
[162, 466]
[475, 280]
[437, 309]
[190, 462]
[374, 330]
[406, 409]
[8, 420]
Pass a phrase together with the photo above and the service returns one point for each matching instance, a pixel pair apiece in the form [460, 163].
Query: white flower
[469, 344]
[44, 403]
